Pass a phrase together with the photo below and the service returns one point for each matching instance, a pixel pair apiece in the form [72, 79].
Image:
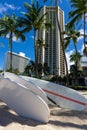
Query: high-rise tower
[53, 53]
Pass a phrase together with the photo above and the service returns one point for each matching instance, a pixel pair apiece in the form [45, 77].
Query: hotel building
[53, 53]
[19, 61]
[83, 63]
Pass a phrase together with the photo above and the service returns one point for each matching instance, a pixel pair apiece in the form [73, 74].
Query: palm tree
[73, 57]
[76, 67]
[40, 45]
[30, 69]
[71, 34]
[34, 21]
[79, 10]
[9, 26]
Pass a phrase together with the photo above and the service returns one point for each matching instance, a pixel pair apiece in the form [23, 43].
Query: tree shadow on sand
[68, 125]
[69, 117]
[69, 113]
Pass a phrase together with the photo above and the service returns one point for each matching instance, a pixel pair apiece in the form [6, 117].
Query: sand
[60, 119]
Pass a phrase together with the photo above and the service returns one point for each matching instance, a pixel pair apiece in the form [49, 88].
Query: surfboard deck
[30, 85]
[23, 101]
[63, 96]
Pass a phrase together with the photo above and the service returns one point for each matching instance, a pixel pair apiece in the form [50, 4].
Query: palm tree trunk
[84, 29]
[35, 50]
[76, 64]
[10, 43]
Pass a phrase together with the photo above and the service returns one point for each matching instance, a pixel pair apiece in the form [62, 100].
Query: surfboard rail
[63, 96]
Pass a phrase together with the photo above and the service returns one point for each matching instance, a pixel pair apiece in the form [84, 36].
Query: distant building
[82, 79]
[84, 65]
[53, 54]
[19, 61]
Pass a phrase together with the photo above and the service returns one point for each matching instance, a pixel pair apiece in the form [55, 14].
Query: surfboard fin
[51, 100]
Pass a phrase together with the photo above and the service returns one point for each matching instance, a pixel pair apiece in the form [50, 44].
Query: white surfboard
[23, 101]
[30, 85]
[61, 95]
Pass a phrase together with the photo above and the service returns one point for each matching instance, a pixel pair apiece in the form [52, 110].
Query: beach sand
[60, 119]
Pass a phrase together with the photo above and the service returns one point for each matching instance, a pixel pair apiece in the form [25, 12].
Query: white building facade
[83, 63]
[19, 61]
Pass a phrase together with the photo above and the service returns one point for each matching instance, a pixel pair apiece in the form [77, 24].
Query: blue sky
[16, 6]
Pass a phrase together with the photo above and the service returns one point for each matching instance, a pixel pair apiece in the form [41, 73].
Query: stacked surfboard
[24, 97]
[30, 97]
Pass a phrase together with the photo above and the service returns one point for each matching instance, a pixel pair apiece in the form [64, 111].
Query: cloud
[32, 37]
[2, 9]
[14, 38]
[9, 6]
[81, 50]
[12, 7]
[82, 34]
[68, 53]
[5, 7]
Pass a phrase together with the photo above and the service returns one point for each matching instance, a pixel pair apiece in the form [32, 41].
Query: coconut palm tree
[75, 69]
[40, 45]
[71, 35]
[73, 57]
[9, 26]
[30, 69]
[32, 19]
[79, 11]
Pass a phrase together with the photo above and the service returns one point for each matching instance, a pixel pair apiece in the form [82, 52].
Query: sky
[27, 47]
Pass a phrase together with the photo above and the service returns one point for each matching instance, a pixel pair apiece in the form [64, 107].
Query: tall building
[19, 61]
[53, 54]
